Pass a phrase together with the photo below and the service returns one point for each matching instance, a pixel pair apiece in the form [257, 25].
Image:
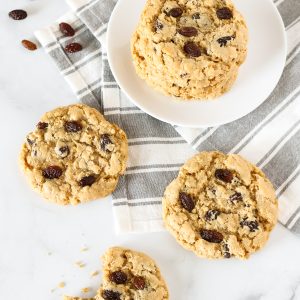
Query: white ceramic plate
[257, 78]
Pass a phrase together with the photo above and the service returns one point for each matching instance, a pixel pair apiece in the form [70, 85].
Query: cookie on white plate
[190, 49]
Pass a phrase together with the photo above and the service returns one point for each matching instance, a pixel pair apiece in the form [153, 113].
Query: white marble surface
[30, 228]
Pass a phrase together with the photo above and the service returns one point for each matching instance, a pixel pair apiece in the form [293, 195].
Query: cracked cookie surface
[190, 49]
[129, 275]
[220, 206]
[74, 155]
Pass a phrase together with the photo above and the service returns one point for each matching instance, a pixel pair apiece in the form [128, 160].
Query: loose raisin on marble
[138, 282]
[186, 201]
[211, 236]
[18, 14]
[224, 175]
[29, 45]
[52, 172]
[118, 277]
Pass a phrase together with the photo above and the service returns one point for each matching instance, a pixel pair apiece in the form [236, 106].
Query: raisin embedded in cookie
[220, 206]
[190, 49]
[74, 155]
[128, 275]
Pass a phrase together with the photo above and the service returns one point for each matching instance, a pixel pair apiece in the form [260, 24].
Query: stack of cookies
[190, 49]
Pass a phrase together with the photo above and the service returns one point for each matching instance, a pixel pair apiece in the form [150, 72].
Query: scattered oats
[85, 289]
[80, 264]
[53, 290]
[61, 285]
[94, 273]
[49, 253]
[84, 249]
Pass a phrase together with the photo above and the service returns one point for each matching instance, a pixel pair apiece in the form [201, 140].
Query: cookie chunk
[128, 275]
[131, 275]
[220, 206]
[74, 155]
[190, 49]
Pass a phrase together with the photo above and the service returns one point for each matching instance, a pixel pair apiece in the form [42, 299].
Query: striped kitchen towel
[268, 137]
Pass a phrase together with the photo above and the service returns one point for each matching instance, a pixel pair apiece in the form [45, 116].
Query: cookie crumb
[85, 290]
[84, 249]
[80, 264]
[95, 273]
[61, 285]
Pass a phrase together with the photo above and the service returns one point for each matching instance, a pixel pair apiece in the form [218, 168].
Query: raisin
[138, 282]
[211, 236]
[87, 180]
[212, 214]
[118, 277]
[42, 125]
[66, 29]
[224, 175]
[188, 31]
[224, 13]
[236, 197]
[196, 16]
[29, 141]
[29, 45]
[62, 151]
[226, 252]
[223, 40]
[186, 201]
[175, 12]
[72, 126]
[104, 141]
[73, 47]
[52, 172]
[111, 295]
[252, 225]
[192, 49]
[18, 14]
[158, 26]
